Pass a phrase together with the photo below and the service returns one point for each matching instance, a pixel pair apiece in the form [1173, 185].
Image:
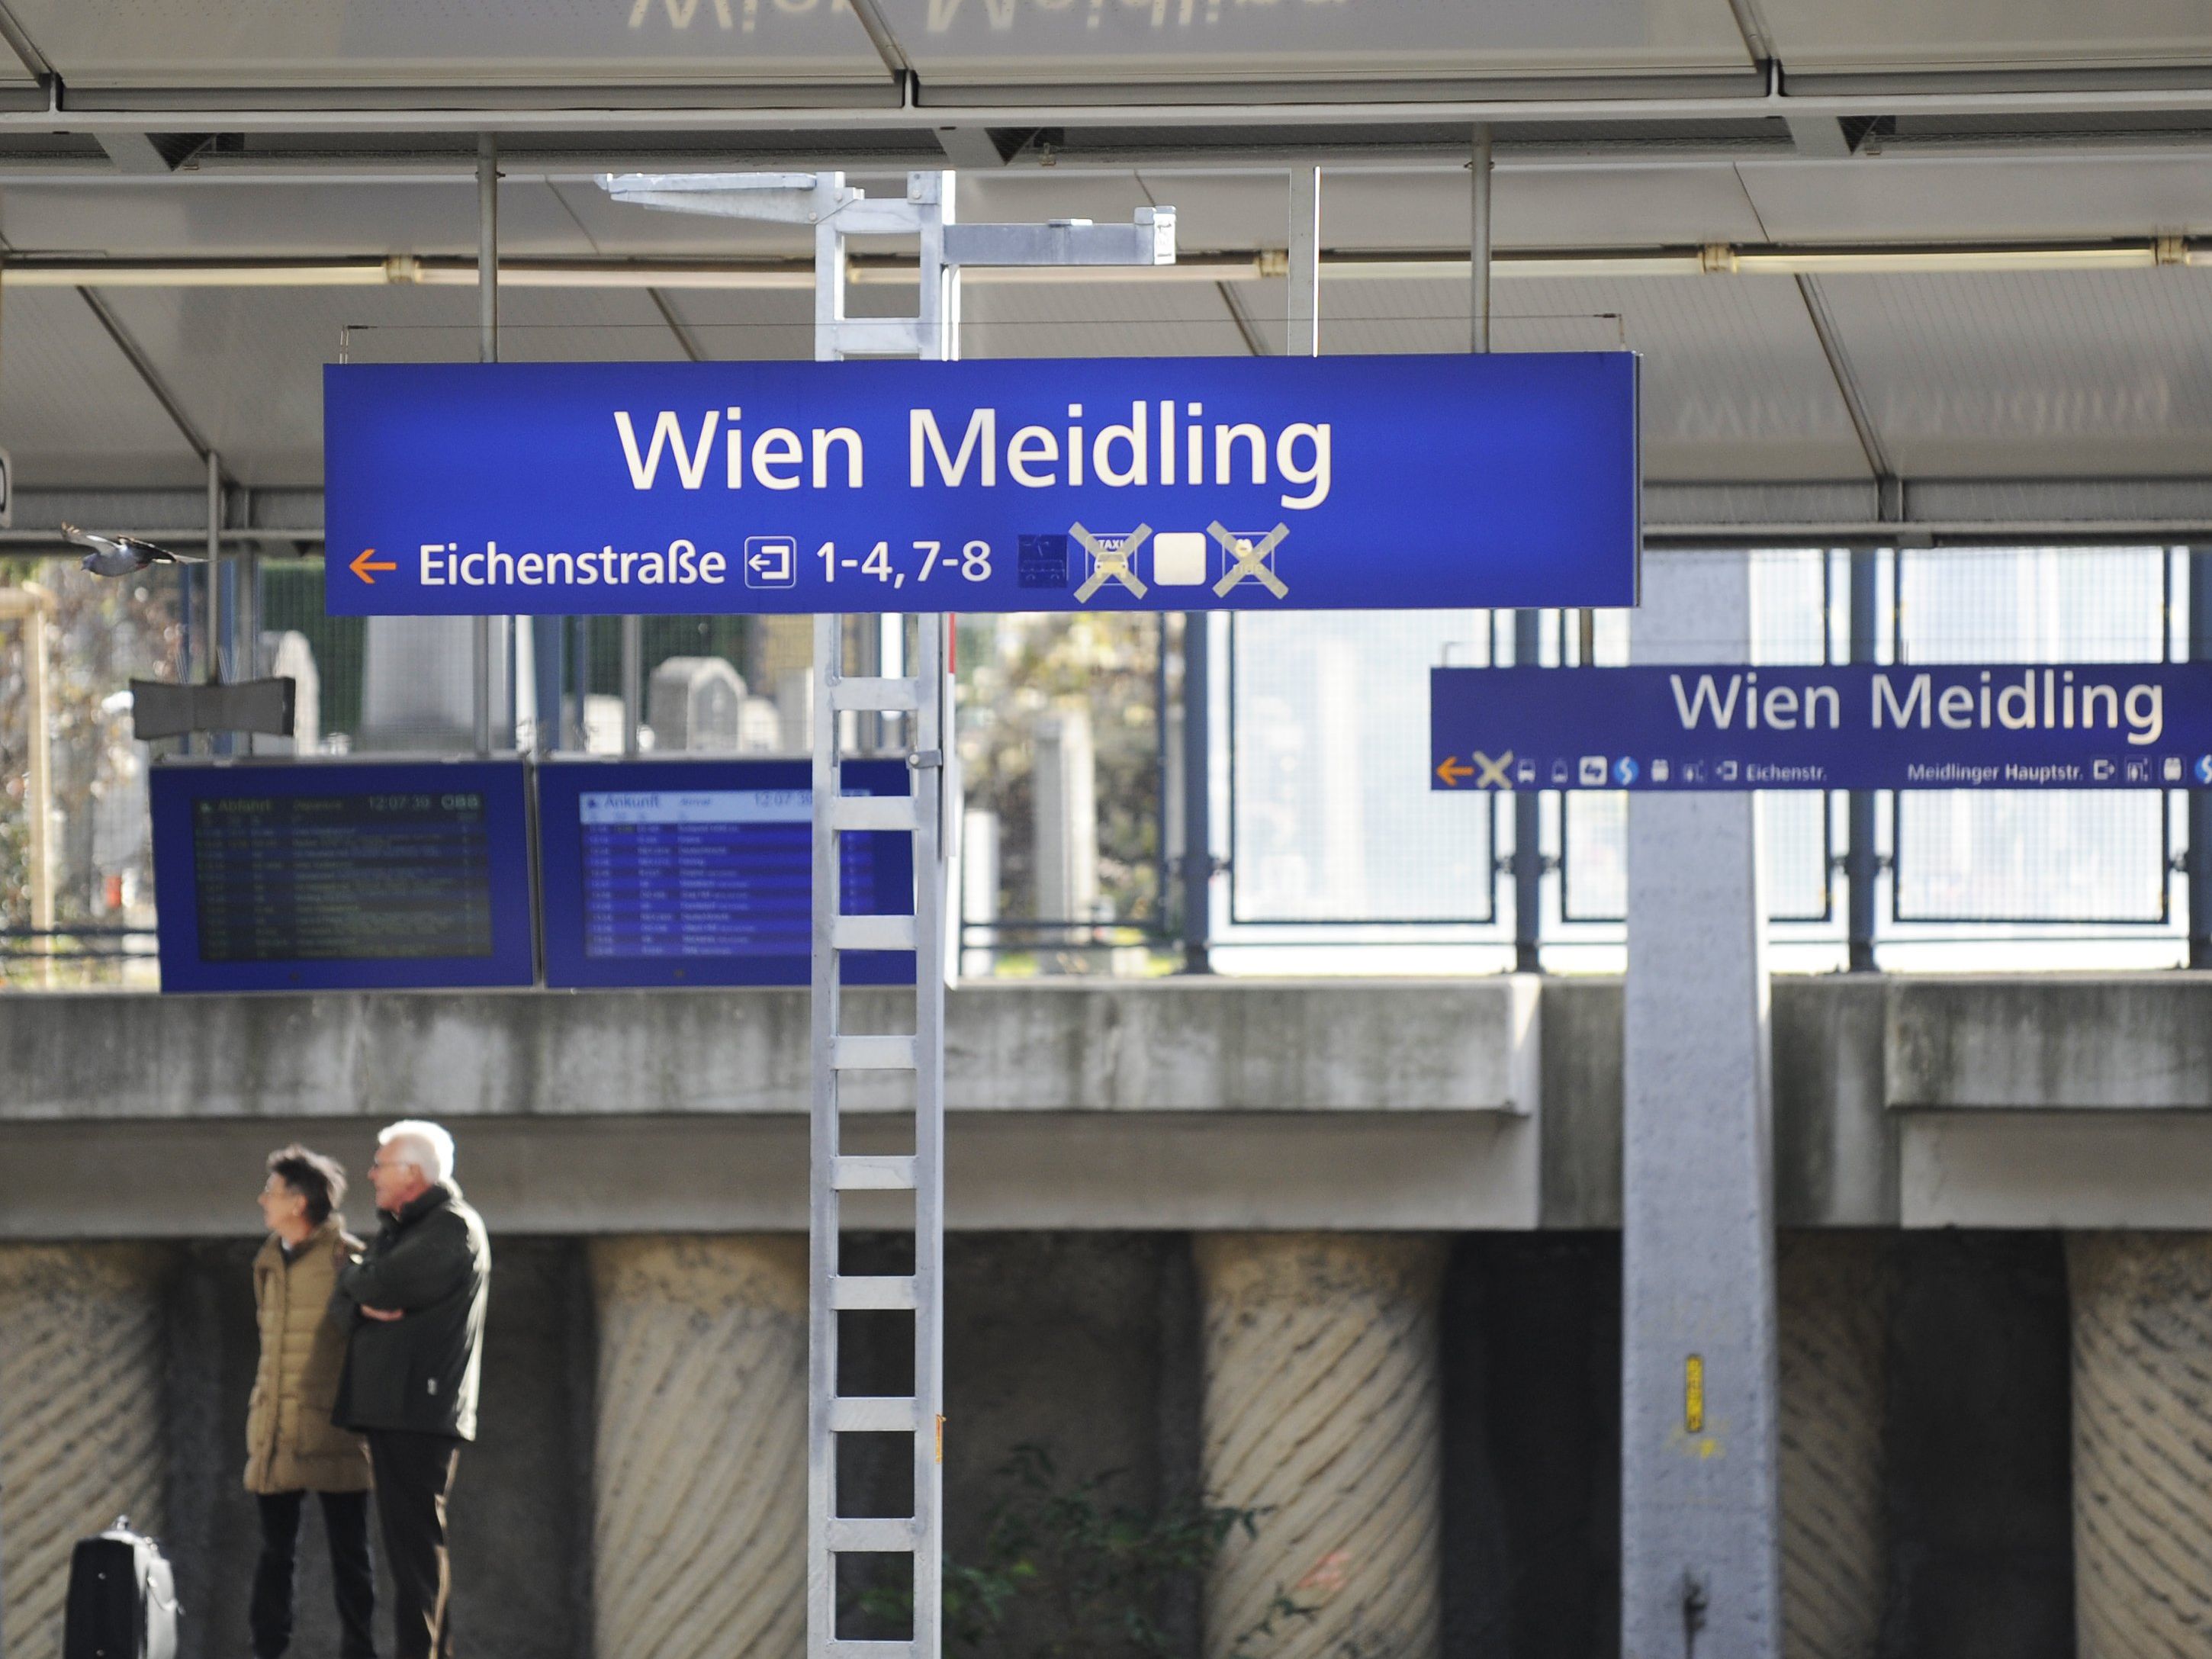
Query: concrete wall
[1094, 1127]
[1980, 1491]
[1082, 1344]
[1356, 1104]
[1170, 1045]
[1086, 1343]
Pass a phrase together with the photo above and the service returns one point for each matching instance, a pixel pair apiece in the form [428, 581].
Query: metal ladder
[924, 699]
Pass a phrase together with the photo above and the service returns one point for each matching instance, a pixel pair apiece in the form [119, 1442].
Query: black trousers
[353, 1574]
[414, 1472]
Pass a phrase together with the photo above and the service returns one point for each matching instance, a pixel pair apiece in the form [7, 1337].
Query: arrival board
[700, 871]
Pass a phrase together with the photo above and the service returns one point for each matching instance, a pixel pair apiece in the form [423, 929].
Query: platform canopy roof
[1939, 261]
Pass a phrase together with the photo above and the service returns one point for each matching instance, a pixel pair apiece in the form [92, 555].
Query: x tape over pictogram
[1110, 561]
[1251, 560]
[1491, 774]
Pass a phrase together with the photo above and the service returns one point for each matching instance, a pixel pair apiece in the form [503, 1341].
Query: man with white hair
[415, 1304]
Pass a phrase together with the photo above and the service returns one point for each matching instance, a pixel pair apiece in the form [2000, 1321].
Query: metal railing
[1327, 835]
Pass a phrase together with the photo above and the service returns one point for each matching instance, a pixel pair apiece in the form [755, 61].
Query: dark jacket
[433, 1262]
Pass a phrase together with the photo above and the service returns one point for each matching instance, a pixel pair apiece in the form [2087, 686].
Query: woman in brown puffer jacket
[291, 1446]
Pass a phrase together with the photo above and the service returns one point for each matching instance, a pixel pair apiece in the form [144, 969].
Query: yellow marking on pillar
[1694, 1394]
[940, 1437]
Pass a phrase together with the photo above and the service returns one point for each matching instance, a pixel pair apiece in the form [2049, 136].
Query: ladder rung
[874, 1173]
[872, 932]
[870, 693]
[871, 1534]
[873, 1054]
[870, 1650]
[873, 812]
[878, 1291]
[873, 1414]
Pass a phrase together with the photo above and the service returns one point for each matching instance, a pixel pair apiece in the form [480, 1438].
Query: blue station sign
[1129, 484]
[1998, 726]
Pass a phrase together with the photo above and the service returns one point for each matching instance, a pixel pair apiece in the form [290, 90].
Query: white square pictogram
[1179, 558]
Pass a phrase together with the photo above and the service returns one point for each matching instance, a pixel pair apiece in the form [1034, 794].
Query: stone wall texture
[1323, 1412]
[80, 1415]
[700, 1482]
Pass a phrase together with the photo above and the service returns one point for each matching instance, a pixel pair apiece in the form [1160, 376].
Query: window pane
[1334, 819]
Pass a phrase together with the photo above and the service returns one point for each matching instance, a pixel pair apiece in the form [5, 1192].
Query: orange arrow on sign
[366, 561]
[1451, 771]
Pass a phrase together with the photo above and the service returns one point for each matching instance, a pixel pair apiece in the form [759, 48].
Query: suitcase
[122, 1598]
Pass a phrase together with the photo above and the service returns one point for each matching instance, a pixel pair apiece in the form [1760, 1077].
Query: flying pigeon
[123, 556]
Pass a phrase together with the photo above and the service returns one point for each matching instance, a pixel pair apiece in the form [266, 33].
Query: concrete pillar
[1323, 1412]
[2142, 1443]
[1833, 1329]
[1065, 840]
[81, 1416]
[699, 1534]
[1700, 1500]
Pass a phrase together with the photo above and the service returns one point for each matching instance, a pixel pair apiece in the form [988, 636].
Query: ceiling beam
[269, 161]
[795, 272]
[878, 31]
[1820, 512]
[1240, 314]
[143, 366]
[136, 155]
[1125, 108]
[1820, 135]
[19, 41]
[690, 342]
[152, 155]
[1847, 387]
[974, 148]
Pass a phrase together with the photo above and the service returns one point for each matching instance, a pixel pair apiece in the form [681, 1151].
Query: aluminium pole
[1479, 171]
[1862, 863]
[2200, 799]
[1528, 827]
[186, 580]
[1197, 795]
[222, 599]
[633, 659]
[1527, 625]
[488, 352]
[1304, 339]
[35, 610]
[222, 616]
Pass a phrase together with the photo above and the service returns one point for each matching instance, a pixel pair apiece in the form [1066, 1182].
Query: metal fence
[1331, 816]
[2084, 857]
[1073, 766]
[1310, 779]
[1798, 826]
[1794, 619]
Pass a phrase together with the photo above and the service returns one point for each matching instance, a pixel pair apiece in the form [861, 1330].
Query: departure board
[701, 872]
[320, 877]
[284, 875]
